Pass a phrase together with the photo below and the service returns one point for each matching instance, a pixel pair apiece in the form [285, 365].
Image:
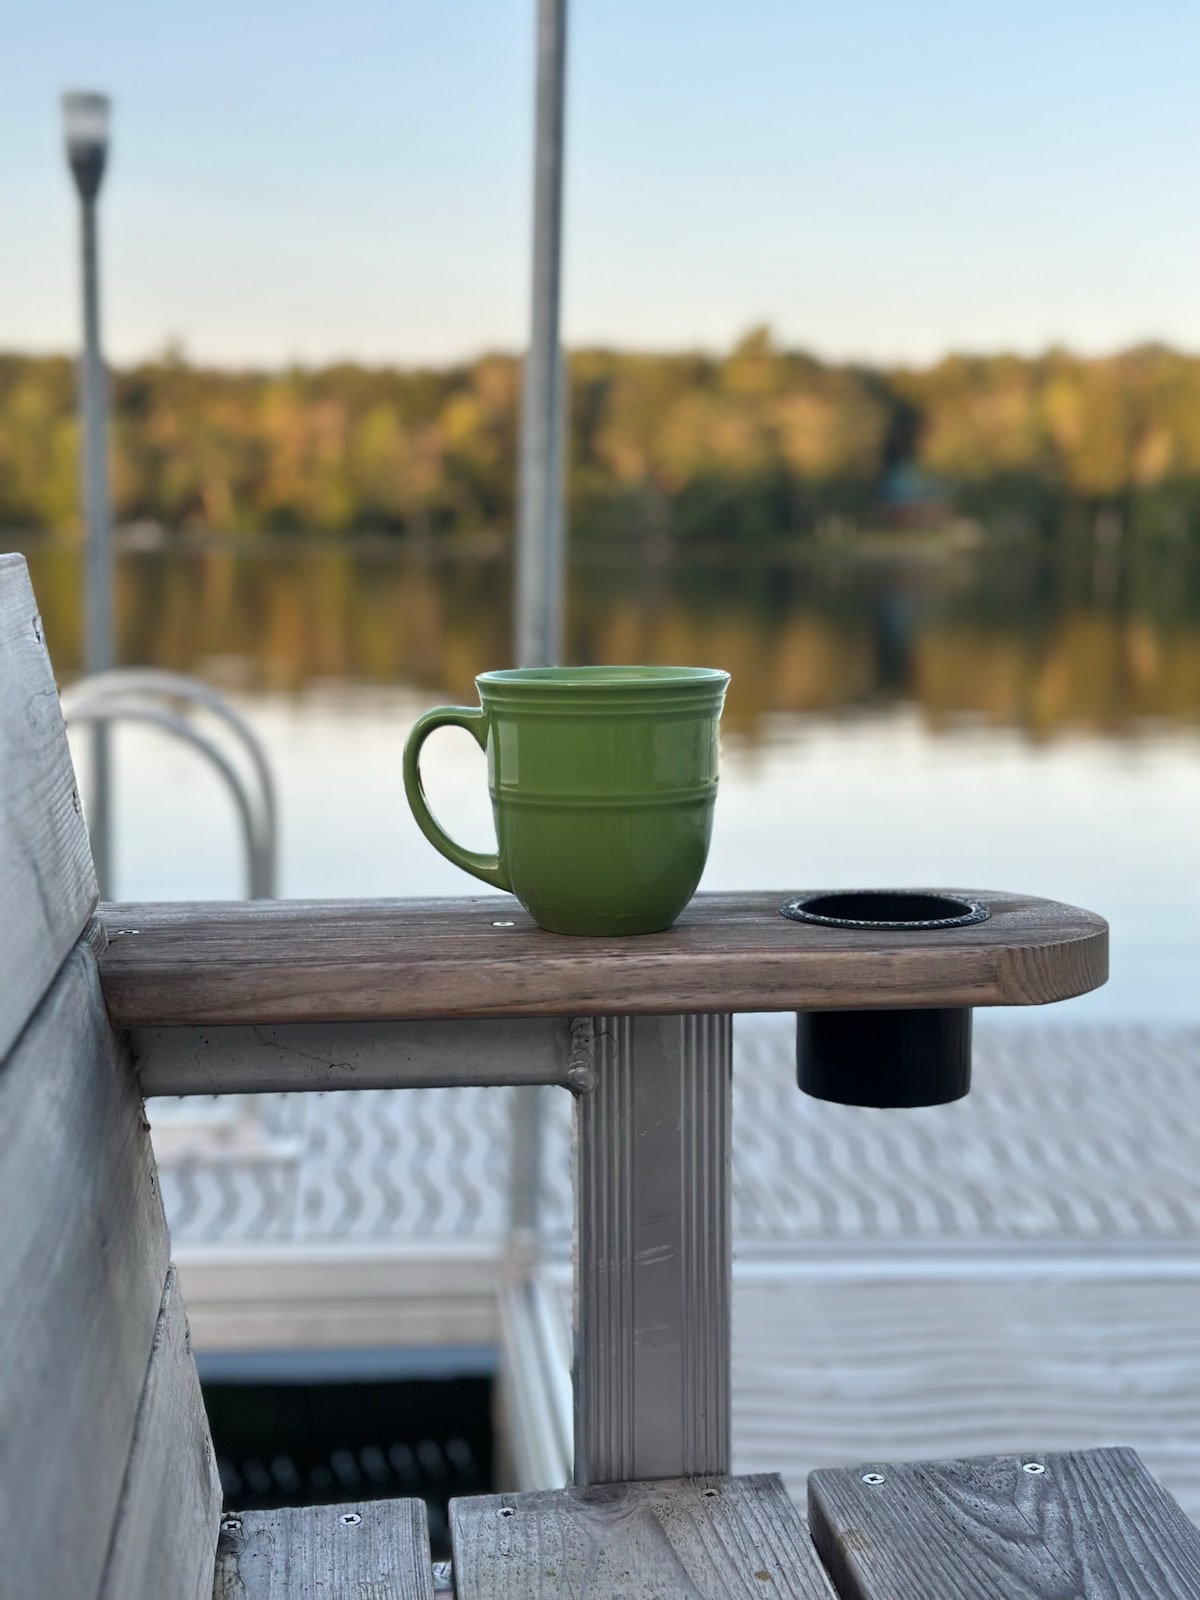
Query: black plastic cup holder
[894, 910]
[892, 1058]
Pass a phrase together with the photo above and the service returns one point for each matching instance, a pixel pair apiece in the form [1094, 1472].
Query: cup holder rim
[947, 910]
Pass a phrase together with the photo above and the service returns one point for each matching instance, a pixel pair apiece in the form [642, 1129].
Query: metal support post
[538, 610]
[98, 592]
[653, 1259]
[540, 512]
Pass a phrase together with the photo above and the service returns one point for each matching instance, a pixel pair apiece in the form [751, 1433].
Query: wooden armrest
[343, 960]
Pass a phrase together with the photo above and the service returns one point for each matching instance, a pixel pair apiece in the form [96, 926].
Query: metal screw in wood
[231, 1525]
[350, 1519]
[873, 1478]
[1033, 1467]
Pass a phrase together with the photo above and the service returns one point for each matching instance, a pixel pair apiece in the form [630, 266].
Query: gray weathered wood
[294, 961]
[324, 1553]
[691, 1538]
[350, 1055]
[1094, 1525]
[165, 1535]
[47, 885]
[83, 1260]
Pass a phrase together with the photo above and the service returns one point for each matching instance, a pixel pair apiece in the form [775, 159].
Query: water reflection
[1044, 644]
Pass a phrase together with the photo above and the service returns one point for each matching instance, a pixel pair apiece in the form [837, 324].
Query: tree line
[755, 445]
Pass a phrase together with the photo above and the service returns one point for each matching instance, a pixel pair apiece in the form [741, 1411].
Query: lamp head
[85, 124]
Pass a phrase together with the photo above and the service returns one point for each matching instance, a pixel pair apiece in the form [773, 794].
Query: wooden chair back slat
[83, 1267]
[165, 1535]
[47, 882]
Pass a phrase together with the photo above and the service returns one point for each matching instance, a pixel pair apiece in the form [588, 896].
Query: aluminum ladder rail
[145, 695]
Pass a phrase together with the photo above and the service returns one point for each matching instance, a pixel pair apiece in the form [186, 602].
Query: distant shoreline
[756, 446]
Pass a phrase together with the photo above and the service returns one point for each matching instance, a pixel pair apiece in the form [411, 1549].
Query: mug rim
[603, 677]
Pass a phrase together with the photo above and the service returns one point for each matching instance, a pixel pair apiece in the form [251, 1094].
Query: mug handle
[489, 868]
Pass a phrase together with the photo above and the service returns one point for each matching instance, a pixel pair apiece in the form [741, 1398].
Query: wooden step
[1082, 1525]
[373, 1550]
[672, 1539]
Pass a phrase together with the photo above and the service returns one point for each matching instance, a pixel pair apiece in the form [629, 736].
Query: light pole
[85, 123]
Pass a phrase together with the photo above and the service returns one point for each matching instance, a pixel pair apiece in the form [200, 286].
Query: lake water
[898, 715]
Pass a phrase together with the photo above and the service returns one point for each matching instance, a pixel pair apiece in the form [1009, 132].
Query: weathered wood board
[83, 1260]
[165, 1534]
[373, 1550]
[295, 961]
[692, 1538]
[47, 884]
[1090, 1525]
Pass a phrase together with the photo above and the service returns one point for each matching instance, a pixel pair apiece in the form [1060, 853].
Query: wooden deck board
[1091, 1525]
[703, 1538]
[373, 1550]
[289, 961]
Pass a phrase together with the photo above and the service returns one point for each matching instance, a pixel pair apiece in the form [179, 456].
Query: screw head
[873, 1478]
[710, 1494]
[503, 924]
[231, 1524]
[1033, 1467]
[350, 1519]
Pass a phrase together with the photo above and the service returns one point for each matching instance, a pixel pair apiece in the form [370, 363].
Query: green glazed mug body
[603, 781]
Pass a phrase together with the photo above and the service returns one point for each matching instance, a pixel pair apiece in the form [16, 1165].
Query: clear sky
[881, 180]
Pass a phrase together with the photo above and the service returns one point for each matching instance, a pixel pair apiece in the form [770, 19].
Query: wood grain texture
[47, 884]
[165, 1535]
[1094, 1525]
[83, 1260]
[281, 961]
[315, 1553]
[675, 1539]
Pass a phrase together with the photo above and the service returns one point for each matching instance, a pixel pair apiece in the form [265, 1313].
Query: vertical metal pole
[538, 612]
[539, 606]
[98, 597]
[653, 1258]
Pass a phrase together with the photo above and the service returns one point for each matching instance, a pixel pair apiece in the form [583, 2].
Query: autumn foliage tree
[757, 445]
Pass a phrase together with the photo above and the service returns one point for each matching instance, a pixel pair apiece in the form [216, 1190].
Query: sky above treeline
[308, 182]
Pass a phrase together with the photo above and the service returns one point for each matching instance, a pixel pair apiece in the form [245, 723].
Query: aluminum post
[538, 609]
[539, 600]
[653, 1258]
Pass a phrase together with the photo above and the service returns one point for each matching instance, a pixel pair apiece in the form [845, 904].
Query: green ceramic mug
[603, 781]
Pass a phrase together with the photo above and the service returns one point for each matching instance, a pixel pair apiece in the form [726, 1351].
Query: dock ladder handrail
[143, 694]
